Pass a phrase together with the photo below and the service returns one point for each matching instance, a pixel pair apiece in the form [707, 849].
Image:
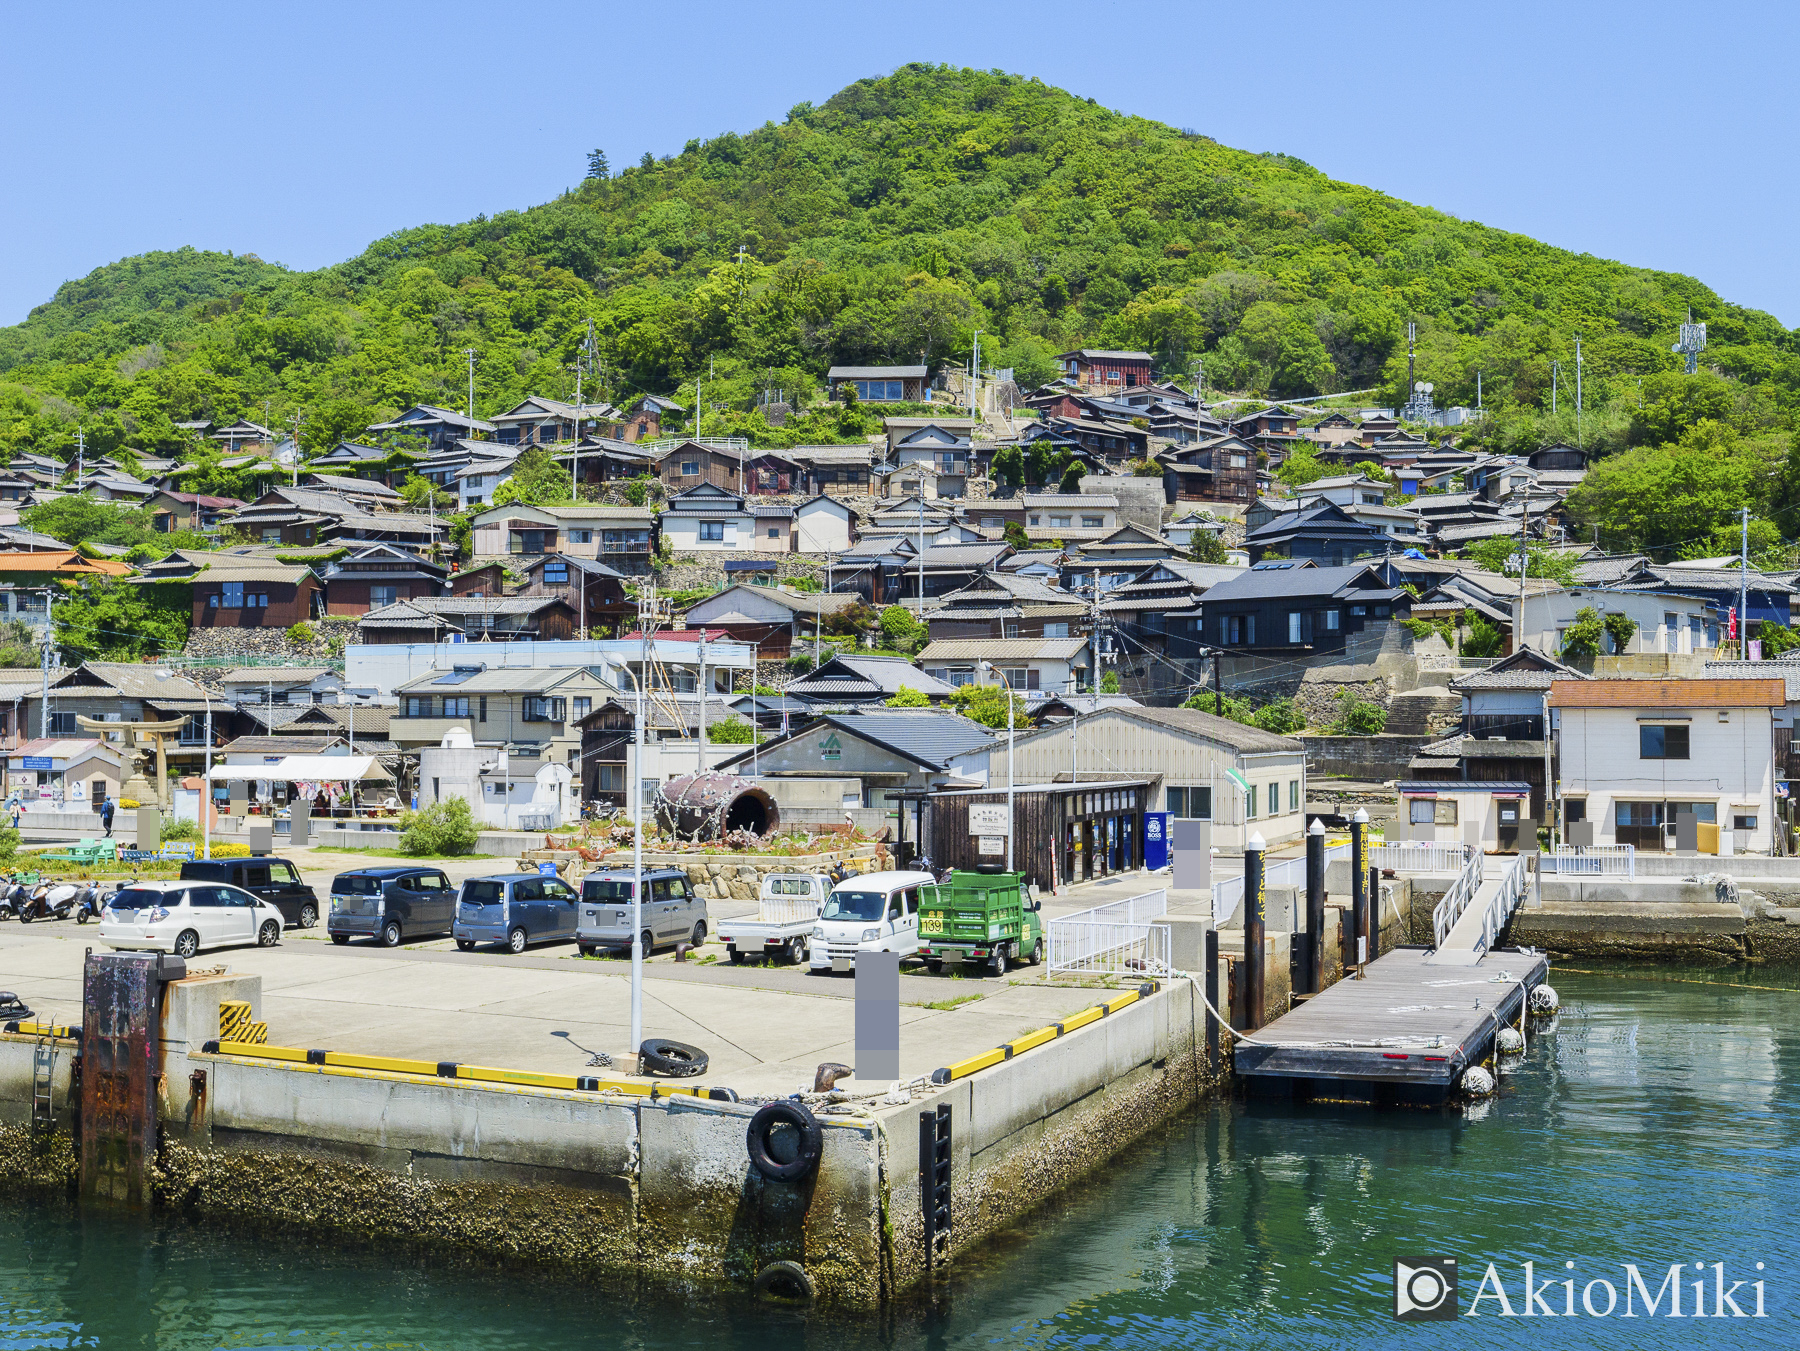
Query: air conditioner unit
[1496, 738]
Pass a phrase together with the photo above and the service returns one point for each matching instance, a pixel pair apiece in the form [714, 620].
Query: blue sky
[1663, 135]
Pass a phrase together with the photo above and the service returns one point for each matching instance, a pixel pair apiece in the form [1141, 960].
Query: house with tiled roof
[256, 594]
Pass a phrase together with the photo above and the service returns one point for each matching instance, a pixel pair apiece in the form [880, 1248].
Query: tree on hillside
[1300, 468]
[596, 164]
[110, 619]
[1206, 547]
[1661, 497]
[536, 480]
[1498, 555]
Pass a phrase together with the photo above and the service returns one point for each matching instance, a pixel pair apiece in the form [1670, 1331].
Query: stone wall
[330, 636]
[1370, 759]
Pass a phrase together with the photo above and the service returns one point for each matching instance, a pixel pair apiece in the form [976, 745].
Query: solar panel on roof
[458, 674]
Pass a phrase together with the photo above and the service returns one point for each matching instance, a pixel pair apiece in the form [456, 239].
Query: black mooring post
[1256, 914]
[1359, 885]
[1212, 998]
[1372, 920]
[1315, 906]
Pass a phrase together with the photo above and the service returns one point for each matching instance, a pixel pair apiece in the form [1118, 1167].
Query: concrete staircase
[1430, 711]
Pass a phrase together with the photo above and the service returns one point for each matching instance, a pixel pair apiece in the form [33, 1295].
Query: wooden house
[256, 594]
[373, 575]
[879, 384]
[1220, 470]
[690, 464]
[1322, 531]
[1094, 368]
[1292, 606]
[437, 427]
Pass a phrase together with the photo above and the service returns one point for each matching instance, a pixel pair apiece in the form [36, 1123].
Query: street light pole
[1010, 719]
[205, 767]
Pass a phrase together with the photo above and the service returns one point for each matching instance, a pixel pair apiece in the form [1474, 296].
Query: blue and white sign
[546, 870]
[37, 762]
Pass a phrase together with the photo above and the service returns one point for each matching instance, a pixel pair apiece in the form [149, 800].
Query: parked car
[184, 917]
[390, 904]
[672, 911]
[271, 879]
[515, 909]
[878, 912]
[787, 908]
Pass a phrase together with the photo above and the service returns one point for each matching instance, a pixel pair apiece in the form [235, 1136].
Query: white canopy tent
[309, 769]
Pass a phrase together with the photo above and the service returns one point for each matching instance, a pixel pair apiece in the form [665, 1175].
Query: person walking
[16, 809]
[106, 814]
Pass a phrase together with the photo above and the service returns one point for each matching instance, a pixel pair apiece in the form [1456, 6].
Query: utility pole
[646, 614]
[1744, 590]
[975, 376]
[1524, 567]
[469, 352]
[49, 638]
[1555, 380]
[1578, 422]
[297, 422]
[584, 354]
[701, 768]
[1412, 332]
[1478, 391]
[80, 457]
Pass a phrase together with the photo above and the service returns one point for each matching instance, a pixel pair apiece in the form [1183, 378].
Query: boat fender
[1544, 1000]
[785, 1281]
[1477, 1082]
[1509, 1041]
[810, 1141]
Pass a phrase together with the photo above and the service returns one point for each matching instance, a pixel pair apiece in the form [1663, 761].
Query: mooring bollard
[1315, 906]
[1372, 919]
[1359, 885]
[1256, 914]
[1212, 998]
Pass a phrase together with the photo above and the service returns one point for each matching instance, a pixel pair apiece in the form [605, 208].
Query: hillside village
[1105, 546]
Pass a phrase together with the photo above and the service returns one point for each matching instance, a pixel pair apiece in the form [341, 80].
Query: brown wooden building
[379, 574]
[1096, 369]
[256, 595]
[690, 464]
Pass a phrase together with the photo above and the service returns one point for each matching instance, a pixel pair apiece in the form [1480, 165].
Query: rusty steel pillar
[121, 1063]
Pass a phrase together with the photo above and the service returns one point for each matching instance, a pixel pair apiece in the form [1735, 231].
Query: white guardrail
[1291, 872]
[1420, 856]
[1504, 901]
[1592, 860]
[1120, 937]
[1456, 900]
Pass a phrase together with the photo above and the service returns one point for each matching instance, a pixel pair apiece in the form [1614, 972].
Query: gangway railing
[1592, 860]
[1118, 938]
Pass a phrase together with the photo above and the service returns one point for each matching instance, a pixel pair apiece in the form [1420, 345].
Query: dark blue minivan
[515, 909]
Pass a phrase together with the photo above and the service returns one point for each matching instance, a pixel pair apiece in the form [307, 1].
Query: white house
[1345, 490]
[1034, 667]
[708, 519]
[1636, 755]
[1666, 622]
[932, 459]
[823, 525]
[618, 536]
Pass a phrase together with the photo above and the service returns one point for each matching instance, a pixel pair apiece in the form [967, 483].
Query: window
[231, 595]
[1293, 795]
[1060, 520]
[1034, 520]
[63, 724]
[556, 574]
[482, 707]
[690, 468]
[774, 532]
[1425, 811]
[1743, 822]
[418, 705]
[1294, 626]
[271, 534]
[539, 709]
[1092, 522]
[457, 707]
[1250, 803]
[382, 595]
[583, 705]
[1662, 743]
[1056, 631]
[1238, 462]
[712, 530]
[581, 537]
[1574, 809]
[1331, 621]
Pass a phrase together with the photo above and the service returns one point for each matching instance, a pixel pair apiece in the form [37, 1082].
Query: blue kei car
[513, 910]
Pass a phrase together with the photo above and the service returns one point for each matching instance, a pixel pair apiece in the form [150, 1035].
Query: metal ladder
[934, 1181]
[43, 1066]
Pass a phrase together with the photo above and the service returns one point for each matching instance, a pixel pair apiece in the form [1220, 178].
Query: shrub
[301, 634]
[1620, 627]
[731, 732]
[1775, 638]
[9, 842]
[446, 827]
[1109, 683]
[1282, 717]
[231, 851]
[900, 631]
[180, 830]
[1484, 638]
[1206, 547]
[126, 802]
[1357, 716]
[907, 697]
[1582, 638]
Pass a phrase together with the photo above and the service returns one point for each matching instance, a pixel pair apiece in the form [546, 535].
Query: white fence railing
[1592, 860]
[1504, 901]
[1229, 893]
[1120, 937]
[1420, 856]
[1456, 900]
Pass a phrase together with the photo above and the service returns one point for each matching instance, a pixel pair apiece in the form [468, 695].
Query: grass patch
[372, 852]
[945, 1005]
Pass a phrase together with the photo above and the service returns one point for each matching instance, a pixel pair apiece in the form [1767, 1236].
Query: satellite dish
[1418, 385]
[1428, 388]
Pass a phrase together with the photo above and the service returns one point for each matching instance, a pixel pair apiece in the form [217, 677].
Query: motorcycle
[14, 893]
[54, 899]
[87, 903]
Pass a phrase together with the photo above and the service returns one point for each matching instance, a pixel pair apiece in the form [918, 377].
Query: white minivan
[877, 911]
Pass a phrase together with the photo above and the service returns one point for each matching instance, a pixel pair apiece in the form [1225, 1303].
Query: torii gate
[135, 785]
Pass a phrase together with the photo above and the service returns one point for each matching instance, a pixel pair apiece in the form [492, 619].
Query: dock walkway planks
[1391, 1017]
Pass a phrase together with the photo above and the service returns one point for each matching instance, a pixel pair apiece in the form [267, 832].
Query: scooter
[54, 899]
[87, 903]
[14, 893]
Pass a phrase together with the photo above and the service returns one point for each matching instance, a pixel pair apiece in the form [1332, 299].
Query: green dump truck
[979, 917]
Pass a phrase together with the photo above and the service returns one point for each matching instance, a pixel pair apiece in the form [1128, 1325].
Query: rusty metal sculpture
[708, 806]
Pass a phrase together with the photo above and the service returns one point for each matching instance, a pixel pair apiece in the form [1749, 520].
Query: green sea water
[1656, 1122]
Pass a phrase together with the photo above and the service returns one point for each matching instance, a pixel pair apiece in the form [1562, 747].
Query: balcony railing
[1507, 727]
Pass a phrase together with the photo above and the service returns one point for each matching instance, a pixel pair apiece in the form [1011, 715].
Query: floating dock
[1402, 1033]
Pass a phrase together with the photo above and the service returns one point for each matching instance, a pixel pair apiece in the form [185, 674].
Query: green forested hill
[887, 224]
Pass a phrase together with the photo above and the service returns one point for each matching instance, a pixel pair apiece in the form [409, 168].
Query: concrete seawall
[613, 1181]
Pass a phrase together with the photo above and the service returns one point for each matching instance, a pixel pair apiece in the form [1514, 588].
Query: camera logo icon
[1424, 1289]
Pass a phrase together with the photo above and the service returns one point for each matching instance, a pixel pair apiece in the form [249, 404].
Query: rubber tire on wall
[812, 1141]
[676, 1059]
[784, 1273]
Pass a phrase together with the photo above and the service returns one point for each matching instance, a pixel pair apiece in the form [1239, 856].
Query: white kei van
[876, 911]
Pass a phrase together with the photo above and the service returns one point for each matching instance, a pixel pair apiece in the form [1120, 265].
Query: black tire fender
[785, 1113]
[785, 1281]
[676, 1059]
